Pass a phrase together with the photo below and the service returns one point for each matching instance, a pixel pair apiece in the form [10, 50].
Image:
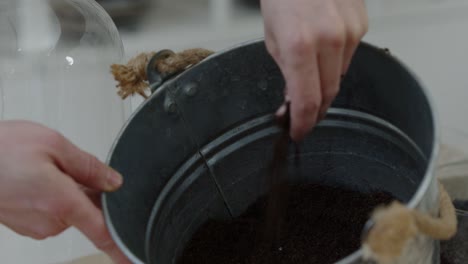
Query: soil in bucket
[321, 224]
[303, 223]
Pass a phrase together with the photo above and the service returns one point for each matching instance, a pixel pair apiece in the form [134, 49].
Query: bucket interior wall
[343, 151]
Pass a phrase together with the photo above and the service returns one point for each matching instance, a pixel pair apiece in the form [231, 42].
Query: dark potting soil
[321, 225]
[293, 224]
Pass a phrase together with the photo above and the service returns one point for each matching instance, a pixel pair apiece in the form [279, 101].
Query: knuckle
[301, 43]
[64, 209]
[333, 31]
[40, 233]
[354, 36]
[334, 36]
[92, 166]
[356, 33]
[54, 139]
[48, 232]
[63, 212]
[272, 48]
[306, 111]
[105, 245]
[38, 236]
[56, 231]
[45, 206]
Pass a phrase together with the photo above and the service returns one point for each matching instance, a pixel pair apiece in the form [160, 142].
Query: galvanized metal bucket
[199, 147]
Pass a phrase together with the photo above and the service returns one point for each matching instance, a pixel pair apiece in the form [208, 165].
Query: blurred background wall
[429, 36]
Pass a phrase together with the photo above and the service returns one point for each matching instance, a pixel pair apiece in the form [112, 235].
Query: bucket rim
[414, 202]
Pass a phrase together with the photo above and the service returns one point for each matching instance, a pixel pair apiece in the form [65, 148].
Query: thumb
[90, 221]
[86, 169]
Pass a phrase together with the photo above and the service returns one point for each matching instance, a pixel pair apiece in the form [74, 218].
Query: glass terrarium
[55, 58]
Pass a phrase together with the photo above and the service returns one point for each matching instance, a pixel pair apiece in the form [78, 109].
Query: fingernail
[114, 180]
[281, 111]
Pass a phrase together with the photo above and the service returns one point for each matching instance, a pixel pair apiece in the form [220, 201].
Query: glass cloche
[55, 58]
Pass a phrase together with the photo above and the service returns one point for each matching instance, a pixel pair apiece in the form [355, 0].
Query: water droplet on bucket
[70, 60]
